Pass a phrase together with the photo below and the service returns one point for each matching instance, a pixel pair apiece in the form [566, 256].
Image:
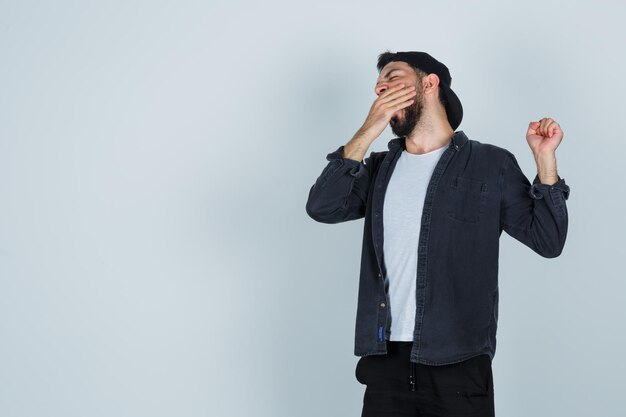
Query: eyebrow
[392, 70]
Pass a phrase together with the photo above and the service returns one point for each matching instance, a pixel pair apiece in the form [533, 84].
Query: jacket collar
[458, 139]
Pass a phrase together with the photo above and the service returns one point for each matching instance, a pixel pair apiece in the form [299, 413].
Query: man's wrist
[546, 168]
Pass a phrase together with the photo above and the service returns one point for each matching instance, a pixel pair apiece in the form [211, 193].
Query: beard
[405, 120]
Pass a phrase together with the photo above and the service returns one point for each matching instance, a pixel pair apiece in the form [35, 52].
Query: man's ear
[430, 82]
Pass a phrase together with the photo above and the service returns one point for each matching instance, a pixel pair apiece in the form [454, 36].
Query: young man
[435, 204]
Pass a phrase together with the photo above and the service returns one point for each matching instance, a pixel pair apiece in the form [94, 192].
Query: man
[435, 204]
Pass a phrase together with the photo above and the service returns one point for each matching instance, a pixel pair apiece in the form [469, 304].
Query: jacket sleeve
[534, 214]
[340, 192]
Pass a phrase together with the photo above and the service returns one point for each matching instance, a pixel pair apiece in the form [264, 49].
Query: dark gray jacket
[476, 191]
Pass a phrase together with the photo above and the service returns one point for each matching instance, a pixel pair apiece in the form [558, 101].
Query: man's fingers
[403, 105]
[552, 127]
[399, 99]
[395, 92]
[544, 127]
[545, 123]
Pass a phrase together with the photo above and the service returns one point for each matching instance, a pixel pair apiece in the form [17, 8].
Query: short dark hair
[388, 56]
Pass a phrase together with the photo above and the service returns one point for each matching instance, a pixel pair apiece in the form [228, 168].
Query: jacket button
[380, 275]
[382, 305]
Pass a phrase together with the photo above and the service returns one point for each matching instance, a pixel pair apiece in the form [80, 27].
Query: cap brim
[454, 109]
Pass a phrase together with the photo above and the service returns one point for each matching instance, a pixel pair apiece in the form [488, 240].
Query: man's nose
[380, 88]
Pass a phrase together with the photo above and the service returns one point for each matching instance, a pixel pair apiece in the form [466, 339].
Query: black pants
[397, 387]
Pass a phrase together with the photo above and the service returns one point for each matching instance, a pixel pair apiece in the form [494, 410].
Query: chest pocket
[467, 199]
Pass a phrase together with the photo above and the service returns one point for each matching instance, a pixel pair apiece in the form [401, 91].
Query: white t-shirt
[402, 215]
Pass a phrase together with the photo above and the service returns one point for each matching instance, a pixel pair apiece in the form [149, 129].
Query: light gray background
[155, 159]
